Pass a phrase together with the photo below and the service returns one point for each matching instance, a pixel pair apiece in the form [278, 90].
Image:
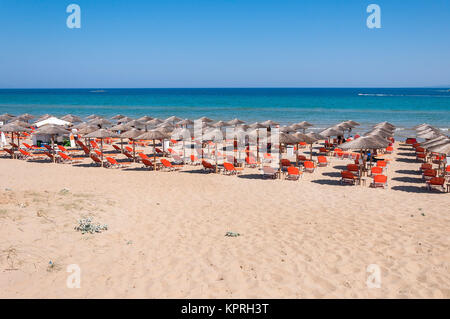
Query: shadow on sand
[327, 182]
[408, 179]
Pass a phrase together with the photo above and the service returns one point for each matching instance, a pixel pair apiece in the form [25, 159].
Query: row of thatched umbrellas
[435, 140]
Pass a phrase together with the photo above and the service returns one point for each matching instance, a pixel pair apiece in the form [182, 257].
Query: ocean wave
[402, 95]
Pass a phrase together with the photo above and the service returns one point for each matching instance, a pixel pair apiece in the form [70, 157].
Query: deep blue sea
[320, 106]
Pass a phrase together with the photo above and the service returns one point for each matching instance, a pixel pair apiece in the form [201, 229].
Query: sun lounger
[169, 166]
[9, 151]
[95, 159]
[269, 172]
[379, 181]
[208, 167]
[117, 148]
[309, 166]
[229, 169]
[436, 183]
[425, 166]
[429, 174]
[194, 160]
[293, 173]
[114, 164]
[376, 170]
[322, 161]
[348, 177]
[68, 159]
[147, 163]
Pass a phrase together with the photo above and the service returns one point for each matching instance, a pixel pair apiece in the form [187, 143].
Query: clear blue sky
[224, 43]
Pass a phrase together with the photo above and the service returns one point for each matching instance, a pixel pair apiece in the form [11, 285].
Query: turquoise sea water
[320, 106]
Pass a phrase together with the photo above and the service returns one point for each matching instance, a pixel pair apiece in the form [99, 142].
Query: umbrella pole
[216, 155]
[154, 155]
[134, 156]
[310, 151]
[296, 156]
[53, 149]
[121, 144]
[184, 153]
[279, 160]
[257, 146]
[101, 149]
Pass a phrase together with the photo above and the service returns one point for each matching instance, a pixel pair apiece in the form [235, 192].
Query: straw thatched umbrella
[100, 121]
[205, 119]
[441, 149]
[385, 125]
[131, 134]
[270, 123]
[72, 118]
[172, 119]
[52, 130]
[20, 122]
[25, 117]
[153, 135]
[312, 138]
[102, 134]
[435, 141]
[117, 117]
[352, 123]
[136, 123]
[429, 135]
[80, 125]
[94, 116]
[85, 130]
[154, 122]
[5, 118]
[145, 118]
[365, 143]
[185, 122]
[120, 128]
[284, 138]
[235, 122]
[220, 124]
[14, 128]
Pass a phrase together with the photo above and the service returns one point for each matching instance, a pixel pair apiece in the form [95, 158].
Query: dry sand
[308, 239]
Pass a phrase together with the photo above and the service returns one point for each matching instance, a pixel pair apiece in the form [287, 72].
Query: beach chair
[447, 171]
[66, 159]
[323, 151]
[379, 181]
[309, 166]
[169, 166]
[436, 183]
[421, 157]
[411, 141]
[48, 147]
[376, 170]
[27, 146]
[117, 148]
[128, 155]
[269, 172]
[147, 163]
[208, 167]
[389, 150]
[382, 164]
[429, 174]
[293, 173]
[94, 144]
[25, 155]
[143, 156]
[14, 145]
[9, 151]
[347, 177]
[322, 161]
[250, 161]
[95, 160]
[301, 158]
[49, 155]
[425, 166]
[354, 168]
[229, 169]
[285, 163]
[114, 164]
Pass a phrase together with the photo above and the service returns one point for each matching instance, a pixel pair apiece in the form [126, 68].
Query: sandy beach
[312, 238]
